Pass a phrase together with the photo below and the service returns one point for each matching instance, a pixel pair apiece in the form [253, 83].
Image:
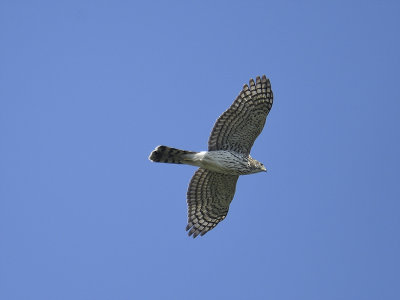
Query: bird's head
[257, 166]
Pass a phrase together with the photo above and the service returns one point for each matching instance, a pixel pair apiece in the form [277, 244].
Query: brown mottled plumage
[213, 185]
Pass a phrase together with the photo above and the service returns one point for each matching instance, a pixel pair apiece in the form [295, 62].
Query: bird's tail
[170, 155]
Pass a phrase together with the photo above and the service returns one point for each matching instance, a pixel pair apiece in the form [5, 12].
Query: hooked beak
[264, 169]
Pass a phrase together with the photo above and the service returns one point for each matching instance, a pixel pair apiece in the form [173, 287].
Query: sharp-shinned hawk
[213, 185]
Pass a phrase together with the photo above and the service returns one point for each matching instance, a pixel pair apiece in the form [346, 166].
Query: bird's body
[220, 161]
[213, 185]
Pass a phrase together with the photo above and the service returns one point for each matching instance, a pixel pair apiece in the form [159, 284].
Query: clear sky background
[89, 88]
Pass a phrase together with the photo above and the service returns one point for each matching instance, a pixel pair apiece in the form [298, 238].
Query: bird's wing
[208, 198]
[239, 126]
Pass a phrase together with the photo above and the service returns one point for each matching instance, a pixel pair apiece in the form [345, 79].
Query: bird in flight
[213, 185]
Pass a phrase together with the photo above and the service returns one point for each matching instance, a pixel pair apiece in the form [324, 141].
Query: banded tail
[170, 155]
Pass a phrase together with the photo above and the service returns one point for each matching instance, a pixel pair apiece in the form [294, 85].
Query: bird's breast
[225, 162]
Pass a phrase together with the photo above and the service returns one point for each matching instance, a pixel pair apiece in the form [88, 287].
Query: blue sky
[89, 88]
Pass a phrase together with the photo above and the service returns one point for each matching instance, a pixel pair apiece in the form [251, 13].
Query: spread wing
[239, 126]
[208, 198]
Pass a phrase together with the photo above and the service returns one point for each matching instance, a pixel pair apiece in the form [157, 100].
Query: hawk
[213, 185]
